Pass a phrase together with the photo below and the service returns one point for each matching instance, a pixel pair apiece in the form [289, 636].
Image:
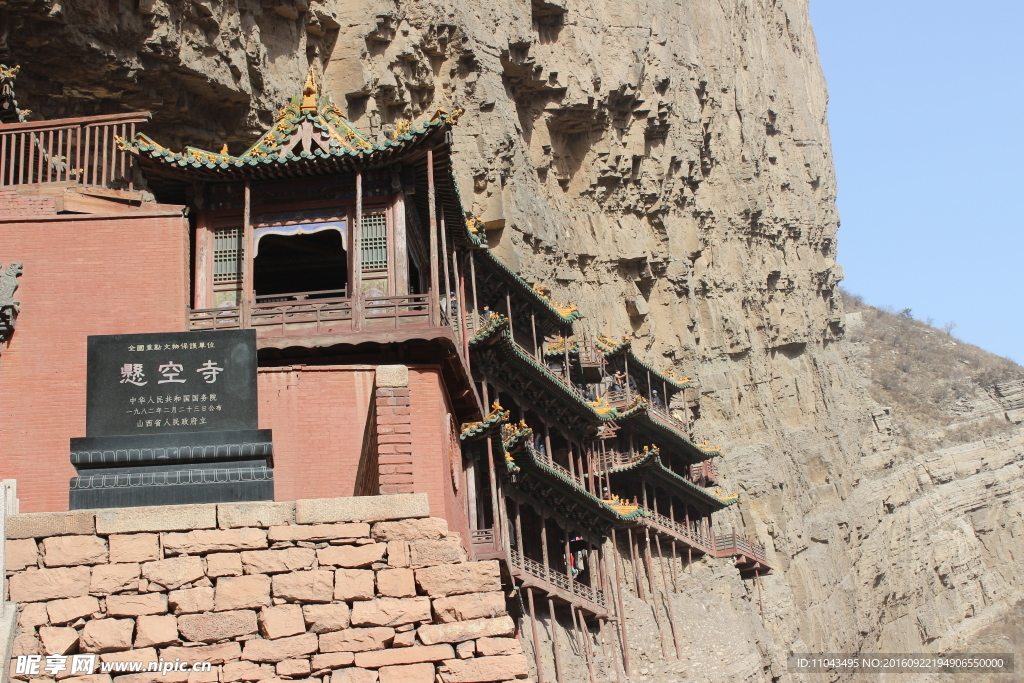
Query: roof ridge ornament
[310, 90]
[9, 111]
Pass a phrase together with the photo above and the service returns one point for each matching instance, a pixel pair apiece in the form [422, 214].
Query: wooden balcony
[485, 545]
[622, 398]
[298, 315]
[81, 151]
[556, 583]
[690, 537]
[730, 545]
[704, 473]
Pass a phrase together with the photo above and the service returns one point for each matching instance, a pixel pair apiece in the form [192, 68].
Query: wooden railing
[551, 464]
[590, 356]
[705, 472]
[303, 296]
[393, 312]
[668, 417]
[482, 536]
[695, 538]
[79, 150]
[316, 316]
[612, 458]
[556, 578]
[620, 398]
[732, 544]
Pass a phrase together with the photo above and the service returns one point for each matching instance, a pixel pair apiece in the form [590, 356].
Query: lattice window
[227, 254]
[375, 241]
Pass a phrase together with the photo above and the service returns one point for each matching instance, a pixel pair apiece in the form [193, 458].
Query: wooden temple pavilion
[343, 252]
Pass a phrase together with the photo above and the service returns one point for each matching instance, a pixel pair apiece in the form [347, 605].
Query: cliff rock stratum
[666, 166]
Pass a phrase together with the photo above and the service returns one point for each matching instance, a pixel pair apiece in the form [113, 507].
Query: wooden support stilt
[519, 528]
[536, 637]
[621, 616]
[647, 562]
[654, 591]
[547, 443]
[584, 632]
[508, 310]
[449, 288]
[565, 353]
[675, 574]
[476, 300]
[676, 636]
[559, 676]
[757, 582]
[633, 556]
[568, 559]
[544, 545]
[625, 363]
[460, 277]
[608, 656]
[538, 352]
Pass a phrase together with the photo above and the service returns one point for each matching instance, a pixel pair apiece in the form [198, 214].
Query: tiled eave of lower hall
[531, 474]
[650, 424]
[499, 358]
[649, 466]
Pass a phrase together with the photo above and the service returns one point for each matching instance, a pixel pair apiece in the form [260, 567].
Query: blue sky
[925, 113]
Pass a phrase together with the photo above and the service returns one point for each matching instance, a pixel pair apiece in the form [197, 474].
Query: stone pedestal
[171, 419]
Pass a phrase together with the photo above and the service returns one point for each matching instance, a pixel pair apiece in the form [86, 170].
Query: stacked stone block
[346, 590]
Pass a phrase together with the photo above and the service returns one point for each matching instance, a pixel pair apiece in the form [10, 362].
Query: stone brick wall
[343, 590]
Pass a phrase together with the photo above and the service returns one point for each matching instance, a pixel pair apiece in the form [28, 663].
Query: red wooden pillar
[435, 297]
[357, 257]
[248, 262]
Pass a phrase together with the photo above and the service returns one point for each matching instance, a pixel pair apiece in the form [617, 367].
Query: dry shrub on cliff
[936, 383]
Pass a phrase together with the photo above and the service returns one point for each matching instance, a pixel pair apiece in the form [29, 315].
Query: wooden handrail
[130, 117]
[80, 151]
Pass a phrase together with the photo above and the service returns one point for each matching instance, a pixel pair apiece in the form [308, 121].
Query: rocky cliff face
[666, 166]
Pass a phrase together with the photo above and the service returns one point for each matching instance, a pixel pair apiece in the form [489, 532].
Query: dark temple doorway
[311, 266]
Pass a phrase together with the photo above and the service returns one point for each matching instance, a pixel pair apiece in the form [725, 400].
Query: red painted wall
[318, 414]
[84, 274]
[435, 455]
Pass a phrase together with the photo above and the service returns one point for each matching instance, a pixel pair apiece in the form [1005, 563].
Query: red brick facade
[14, 204]
[394, 440]
[84, 274]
